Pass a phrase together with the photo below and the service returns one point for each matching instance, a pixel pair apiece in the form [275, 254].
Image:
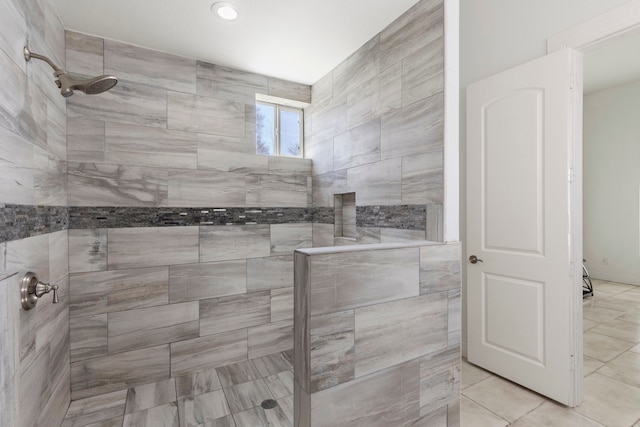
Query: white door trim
[614, 23]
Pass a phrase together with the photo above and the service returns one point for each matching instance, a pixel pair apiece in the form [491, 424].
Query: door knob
[474, 259]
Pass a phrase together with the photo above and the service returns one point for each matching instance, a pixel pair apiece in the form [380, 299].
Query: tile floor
[229, 396]
[611, 369]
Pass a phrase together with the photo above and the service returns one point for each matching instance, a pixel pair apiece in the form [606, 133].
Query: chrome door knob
[474, 259]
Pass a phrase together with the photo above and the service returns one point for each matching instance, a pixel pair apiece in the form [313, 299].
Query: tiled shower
[171, 240]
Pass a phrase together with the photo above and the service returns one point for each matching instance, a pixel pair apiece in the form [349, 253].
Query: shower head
[68, 84]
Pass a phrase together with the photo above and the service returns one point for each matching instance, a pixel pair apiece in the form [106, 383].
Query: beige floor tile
[597, 282]
[599, 314]
[604, 348]
[620, 329]
[589, 324]
[591, 365]
[552, 414]
[612, 287]
[609, 401]
[471, 374]
[615, 303]
[625, 368]
[474, 415]
[635, 349]
[631, 316]
[504, 398]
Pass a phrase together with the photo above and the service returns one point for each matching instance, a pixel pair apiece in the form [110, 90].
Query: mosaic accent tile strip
[406, 217]
[22, 221]
[83, 217]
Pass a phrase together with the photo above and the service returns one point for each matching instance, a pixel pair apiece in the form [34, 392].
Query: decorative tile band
[406, 217]
[83, 217]
[22, 221]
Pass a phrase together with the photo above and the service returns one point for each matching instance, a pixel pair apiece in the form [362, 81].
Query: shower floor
[229, 396]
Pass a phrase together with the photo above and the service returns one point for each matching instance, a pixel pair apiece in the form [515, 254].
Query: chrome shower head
[68, 84]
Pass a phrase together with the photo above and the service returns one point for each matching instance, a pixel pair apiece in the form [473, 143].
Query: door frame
[616, 23]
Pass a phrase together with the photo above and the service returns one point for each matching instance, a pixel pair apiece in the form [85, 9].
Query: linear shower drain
[269, 404]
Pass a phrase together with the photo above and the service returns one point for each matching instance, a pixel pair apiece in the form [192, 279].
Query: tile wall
[166, 287]
[375, 126]
[378, 337]
[34, 345]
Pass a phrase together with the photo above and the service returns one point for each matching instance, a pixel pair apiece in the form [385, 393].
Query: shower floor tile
[228, 396]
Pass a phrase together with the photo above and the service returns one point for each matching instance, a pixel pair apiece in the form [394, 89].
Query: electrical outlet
[605, 261]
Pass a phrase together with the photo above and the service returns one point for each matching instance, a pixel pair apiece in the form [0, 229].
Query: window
[279, 130]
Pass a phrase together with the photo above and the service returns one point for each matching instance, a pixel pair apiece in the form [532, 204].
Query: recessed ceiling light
[225, 10]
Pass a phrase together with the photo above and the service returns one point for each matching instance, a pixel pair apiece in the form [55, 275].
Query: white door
[523, 207]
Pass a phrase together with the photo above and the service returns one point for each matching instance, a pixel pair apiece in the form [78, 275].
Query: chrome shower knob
[31, 289]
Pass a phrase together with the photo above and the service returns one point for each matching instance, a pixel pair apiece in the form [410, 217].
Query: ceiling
[296, 40]
[613, 63]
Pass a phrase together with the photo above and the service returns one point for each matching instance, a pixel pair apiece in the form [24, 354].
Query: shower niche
[345, 215]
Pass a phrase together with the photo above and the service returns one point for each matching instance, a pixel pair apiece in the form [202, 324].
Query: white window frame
[277, 143]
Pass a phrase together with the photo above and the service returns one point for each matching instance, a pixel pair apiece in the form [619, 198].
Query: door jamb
[618, 22]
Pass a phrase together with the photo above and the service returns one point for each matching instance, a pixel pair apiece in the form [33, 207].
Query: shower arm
[28, 55]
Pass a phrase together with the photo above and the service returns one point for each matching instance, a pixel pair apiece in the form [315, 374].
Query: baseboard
[612, 277]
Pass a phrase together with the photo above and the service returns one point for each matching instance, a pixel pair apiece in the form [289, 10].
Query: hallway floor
[611, 369]
[229, 396]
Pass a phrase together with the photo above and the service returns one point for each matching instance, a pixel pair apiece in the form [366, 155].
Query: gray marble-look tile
[226, 92]
[158, 416]
[362, 65]
[286, 238]
[423, 72]
[192, 282]
[247, 395]
[423, 178]
[49, 180]
[272, 364]
[332, 349]
[269, 273]
[329, 123]
[321, 151]
[93, 184]
[238, 373]
[198, 382]
[88, 337]
[413, 130]
[396, 235]
[230, 76]
[289, 166]
[87, 250]
[137, 145]
[375, 98]
[219, 243]
[323, 235]
[147, 327]
[281, 304]
[95, 409]
[205, 115]
[203, 408]
[15, 29]
[258, 416]
[394, 332]
[326, 186]
[85, 140]
[84, 54]
[341, 281]
[438, 389]
[229, 161]
[209, 145]
[149, 67]
[270, 338]
[117, 290]
[440, 268]
[152, 246]
[389, 397]
[206, 188]
[56, 131]
[234, 312]
[377, 183]
[100, 375]
[16, 161]
[151, 395]
[208, 352]
[289, 90]
[276, 190]
[358, 146]
[454, 309]
[58, 255]
[125, 103]
[416, 27]
[280, 384]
